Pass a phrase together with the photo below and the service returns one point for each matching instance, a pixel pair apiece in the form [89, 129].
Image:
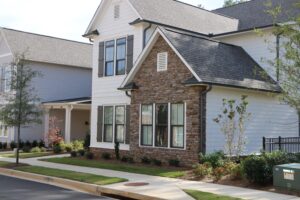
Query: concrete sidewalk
[160, 187]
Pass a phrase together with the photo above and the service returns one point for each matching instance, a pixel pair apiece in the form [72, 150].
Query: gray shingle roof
[184, 16]
[254, 13]
[47, 49]
[219, 63]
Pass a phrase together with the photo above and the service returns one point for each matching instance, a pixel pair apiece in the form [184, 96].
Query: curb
[75, 185]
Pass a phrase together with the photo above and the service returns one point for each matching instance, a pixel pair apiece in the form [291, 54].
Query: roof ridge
[201, 37]
[42, 35]
[234, 5]
[178, 1]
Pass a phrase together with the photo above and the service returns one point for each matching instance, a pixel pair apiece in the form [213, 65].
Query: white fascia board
[147, 50]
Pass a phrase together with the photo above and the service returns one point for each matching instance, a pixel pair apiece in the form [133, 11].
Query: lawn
[198, 195]
[26, 155]
[132, 168]
[4, 164]
[76, 176]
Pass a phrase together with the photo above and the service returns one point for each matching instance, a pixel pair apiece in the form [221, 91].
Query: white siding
[270, 118]
[105, 90]
[261, 47]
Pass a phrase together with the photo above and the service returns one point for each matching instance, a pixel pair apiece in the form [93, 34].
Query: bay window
[161, 128]
[108, 124]
[168, 127]
[120, 124]
[147, 125]
[109, 58]
[177, 125]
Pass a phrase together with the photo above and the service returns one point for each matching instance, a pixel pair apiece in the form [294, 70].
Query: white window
[162, 61]
[3, 130]
[169, 125]
[114, 124]
[116, 12]
[7, 79]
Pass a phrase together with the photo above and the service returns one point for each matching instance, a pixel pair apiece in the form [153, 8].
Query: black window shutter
[101, 60]
[130, 40]
[100, 124]
[127, 139]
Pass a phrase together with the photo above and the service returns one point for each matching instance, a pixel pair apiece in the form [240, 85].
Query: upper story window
[116, 12]
[7, 79]
[115, 65]
[162, 61]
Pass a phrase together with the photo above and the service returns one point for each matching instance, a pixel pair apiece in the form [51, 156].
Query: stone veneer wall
[165, 87]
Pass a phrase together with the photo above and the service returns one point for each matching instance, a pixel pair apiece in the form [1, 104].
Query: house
[161, 69]
[64, 86]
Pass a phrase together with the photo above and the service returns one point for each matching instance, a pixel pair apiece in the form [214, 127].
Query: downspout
[203, 97]
[144, 34]
[127, 94]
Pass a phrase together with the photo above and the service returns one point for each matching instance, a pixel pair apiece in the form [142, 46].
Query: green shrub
[77, 145]
[41, 143]
[174, 162]
[26, 149]
[81, 152]
[12, 145]
[156, 162]
[36, 150]
[117, 150]
[146, 160]
[1, 145]
[34, 144]
[202, 170]
[43, 149]
[57, 149]
[28, 144]
[89, 155]
[87, 141]
[255, 169]
[21, 144]
[106, 156]
[4, 145]
[218, 173]
[234, 170]
[124, 159]
[73, 154]
[69, 148]
[215, 159]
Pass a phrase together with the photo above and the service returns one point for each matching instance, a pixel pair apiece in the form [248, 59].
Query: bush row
[28, 145]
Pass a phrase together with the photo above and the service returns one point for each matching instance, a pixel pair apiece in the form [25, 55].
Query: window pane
[177, 114]
[108, 115]
[109, 69]
[120, 67]
[161, 131]
[121, 41]
[109, 54]
[178, 136]
[147, 116]
[5, 134]
[121, 51]
[7, 79]
[108, 133]
[120, 133]
[120, 115]
[147, 135]
[110, 43]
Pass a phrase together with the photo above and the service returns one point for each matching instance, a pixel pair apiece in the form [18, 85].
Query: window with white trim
[162, 61]
[108, 124]
[147, 125]
[169, 125]
[115, 57]
[3, 130]
[120, 124]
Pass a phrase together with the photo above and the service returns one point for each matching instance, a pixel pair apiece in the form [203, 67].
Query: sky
[60, 18]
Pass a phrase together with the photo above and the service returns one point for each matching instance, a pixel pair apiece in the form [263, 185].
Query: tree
[232, 2]
[21, 106]
[232, 122]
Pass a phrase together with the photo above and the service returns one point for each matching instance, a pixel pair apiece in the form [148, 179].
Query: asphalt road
[17, 189]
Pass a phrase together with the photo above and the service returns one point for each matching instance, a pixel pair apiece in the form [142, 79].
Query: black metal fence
[287, 144]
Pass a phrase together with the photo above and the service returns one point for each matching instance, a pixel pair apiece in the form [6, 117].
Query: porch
[72, 117]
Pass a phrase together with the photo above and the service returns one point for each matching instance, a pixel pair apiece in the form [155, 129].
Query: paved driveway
[17, 189]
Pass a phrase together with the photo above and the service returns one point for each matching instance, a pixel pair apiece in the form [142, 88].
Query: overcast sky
[60, 18]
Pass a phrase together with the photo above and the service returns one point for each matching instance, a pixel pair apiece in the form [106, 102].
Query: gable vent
[162, 61]
[117, 11]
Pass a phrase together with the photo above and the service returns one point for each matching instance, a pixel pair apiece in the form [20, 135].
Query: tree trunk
[18, 145]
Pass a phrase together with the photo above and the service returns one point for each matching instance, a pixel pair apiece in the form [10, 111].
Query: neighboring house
[161, 69]
[64, 86]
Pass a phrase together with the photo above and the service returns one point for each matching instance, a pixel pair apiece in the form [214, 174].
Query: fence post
[279, 142]
[264, 143]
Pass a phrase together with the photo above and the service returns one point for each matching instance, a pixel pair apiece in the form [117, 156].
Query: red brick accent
[165, 87]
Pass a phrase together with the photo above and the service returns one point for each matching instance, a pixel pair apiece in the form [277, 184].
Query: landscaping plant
[216, 159]
[12, 145]
[89, 155]
[203, 170]
[117, 150]
[87, 141]
[174, 162]
[36, 150]
[146, 160]
[73, 154]
[106, 156]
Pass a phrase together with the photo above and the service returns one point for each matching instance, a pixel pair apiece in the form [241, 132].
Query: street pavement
[17, 189]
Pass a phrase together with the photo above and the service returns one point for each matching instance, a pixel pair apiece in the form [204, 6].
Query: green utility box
[287, 176]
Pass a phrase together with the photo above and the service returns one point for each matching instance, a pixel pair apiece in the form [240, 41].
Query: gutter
[203, 99]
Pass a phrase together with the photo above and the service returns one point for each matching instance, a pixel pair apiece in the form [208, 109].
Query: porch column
[46, 125]
[68, 119]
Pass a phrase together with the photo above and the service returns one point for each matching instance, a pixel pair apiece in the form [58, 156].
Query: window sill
[106, 145]
[166, 148]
